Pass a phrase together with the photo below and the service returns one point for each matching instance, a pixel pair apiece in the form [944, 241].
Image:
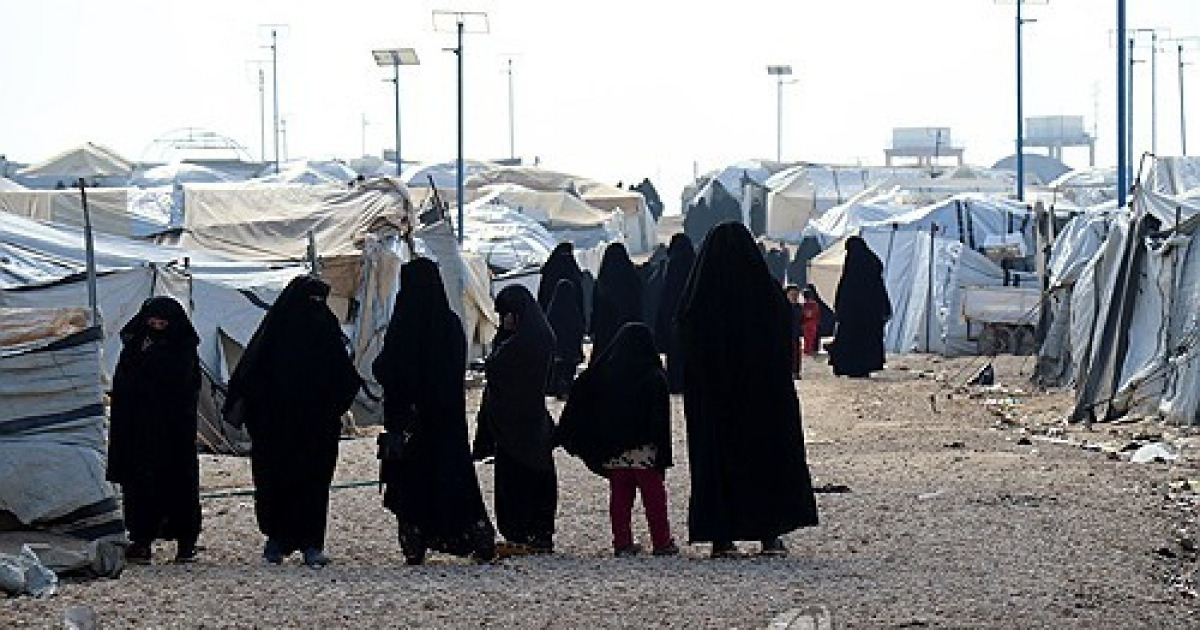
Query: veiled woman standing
[560, 265]
[566, 319]
[681, 255]
[152, 437]
[291, 387]
[431, 483]
[863, 309]
[749, 475]
[616, 298]
[515, 427]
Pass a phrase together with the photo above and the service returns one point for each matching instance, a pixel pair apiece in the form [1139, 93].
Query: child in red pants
[618, 421]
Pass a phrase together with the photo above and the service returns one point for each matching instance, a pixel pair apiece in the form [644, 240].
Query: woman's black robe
[152, 436]
[616, 298]
[681, 255]
[515, 426]
[432, 489]
[749, 476]
[863, 309]
[566, 319]
[291, 387]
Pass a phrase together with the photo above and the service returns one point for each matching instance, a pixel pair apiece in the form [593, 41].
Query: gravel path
[948, 523]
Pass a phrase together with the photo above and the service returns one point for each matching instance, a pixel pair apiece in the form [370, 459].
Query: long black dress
[566, 319]
[291, 387]
[514, 424]
[749, 477]
[616, 298]
[432, 489]
[152, 439]
[620, 402]
[681, 255]
[863, 309]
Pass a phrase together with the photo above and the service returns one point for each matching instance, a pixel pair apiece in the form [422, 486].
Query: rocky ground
[941, 507]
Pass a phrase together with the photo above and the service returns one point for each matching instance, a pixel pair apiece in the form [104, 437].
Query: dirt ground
[983, 513]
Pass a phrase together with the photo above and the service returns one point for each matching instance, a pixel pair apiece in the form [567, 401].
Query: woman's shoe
[671, 549]
[185, 554]
[722, 549]
[138, 553]
[315, 558]
[273, 552]
[773, 547]
[629, 551]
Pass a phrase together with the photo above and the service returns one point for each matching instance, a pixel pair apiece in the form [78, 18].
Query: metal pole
[779, 118]
[1122, 121]
[512, 142]
[1132, 96]
[458, 179]
[1154, 92]
[89, 256]
[275, 92]
[1182, 116]
[1020, 113]
[262, 116]
[396, 82]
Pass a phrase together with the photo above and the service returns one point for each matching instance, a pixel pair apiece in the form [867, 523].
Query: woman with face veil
[681, 255]
[152, 439]
[616, 298]
[430, 479]
[863, 309]
[566, 319]
[560, 265]
[290, 389]
[749, 476]
[515, 427]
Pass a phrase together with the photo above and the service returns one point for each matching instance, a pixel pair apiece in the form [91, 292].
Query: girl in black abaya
[863, 309]
[681, 255]
[152, 438]
[618, 421]
[290, 389]
[431, 483]
[566, 319]
[515, 427]
[749, 476]
[616, 298]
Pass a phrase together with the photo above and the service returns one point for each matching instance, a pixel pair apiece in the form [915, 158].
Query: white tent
[310, 172]
[8, 185]
[178, 173]
[443, 174]
[88, 161]
[805, 191]
[113, 210]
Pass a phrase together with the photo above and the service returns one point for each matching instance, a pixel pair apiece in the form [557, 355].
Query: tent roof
[178, 173]
[87, 160]
[8, 185]
[595, 193]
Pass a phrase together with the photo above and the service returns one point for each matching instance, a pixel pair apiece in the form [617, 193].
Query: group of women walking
[721, 320]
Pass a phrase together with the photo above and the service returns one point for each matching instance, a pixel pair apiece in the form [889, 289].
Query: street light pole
[779, 72]
[512, 137]
[1122, 101]
[1020, 111]
[275, 91]
[1182, 43]
[394, 58]
[460, 28]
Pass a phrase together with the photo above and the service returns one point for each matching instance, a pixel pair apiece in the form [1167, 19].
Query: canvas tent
[806, 191]
[89, 161]
[52, 437]
[1132, 327]
[178, 173]
[113, 210]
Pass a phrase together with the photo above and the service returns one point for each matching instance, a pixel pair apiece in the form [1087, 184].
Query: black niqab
[560, 265]
[152, 429]
[617, 297]
[749, 477]
[433, 490]
[620, 402]
[863, 309]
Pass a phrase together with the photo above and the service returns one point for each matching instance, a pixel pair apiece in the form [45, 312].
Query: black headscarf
[617, 297]
[560, 265]
[620, 402]
[513, 415]
[681, 257]
[750, 480]
[296, 366]
[155, 391]
[863, 308]
[566, 319]
[797, 271]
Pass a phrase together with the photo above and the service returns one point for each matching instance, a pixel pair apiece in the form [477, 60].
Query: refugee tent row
[1124, 328]
[931, 256]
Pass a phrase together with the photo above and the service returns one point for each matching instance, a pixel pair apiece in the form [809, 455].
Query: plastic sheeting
[113, 210]
[52, 419]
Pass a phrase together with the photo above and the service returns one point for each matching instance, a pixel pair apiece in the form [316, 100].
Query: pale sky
[614, 89]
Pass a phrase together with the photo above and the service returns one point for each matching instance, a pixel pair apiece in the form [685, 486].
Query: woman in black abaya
[566, 319]
[749, 476]
[863, 309]
[290, 389]
[616, 298]
[431, 483]
[681, 255]
[152, 439]
[515, 427]
[560, 265]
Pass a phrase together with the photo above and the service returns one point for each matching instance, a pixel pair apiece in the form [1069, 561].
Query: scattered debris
[1156, 452]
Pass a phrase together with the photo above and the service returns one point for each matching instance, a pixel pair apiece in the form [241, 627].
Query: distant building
[1054, 133]
[927, 145]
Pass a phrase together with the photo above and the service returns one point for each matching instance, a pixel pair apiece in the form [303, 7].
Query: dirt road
[948, 522]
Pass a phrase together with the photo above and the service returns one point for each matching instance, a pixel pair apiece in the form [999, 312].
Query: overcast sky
[613, 89]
